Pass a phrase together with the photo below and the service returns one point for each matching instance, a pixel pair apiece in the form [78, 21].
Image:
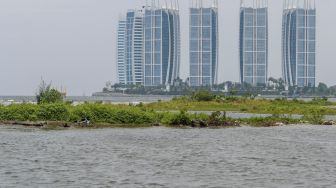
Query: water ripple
[296, 156]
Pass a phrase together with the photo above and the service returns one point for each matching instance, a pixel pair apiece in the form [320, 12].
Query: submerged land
[201, 110]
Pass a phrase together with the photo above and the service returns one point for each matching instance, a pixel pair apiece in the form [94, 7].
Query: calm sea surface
[295, 156]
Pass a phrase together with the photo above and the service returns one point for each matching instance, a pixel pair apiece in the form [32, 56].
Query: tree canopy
[46, 94]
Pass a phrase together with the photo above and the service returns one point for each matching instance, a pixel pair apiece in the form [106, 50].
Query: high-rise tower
[134, 47]
[203, 46]
[253, 42]
[162, 43]
[121, 50]
[299, 43]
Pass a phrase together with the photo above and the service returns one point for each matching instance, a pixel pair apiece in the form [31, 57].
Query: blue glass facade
[203, 47]
[299, 47]
[253, 45]
[162, 46]
[121, 50]
[134, 48]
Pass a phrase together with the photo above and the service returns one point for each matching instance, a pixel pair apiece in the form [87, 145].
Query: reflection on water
[295, 156]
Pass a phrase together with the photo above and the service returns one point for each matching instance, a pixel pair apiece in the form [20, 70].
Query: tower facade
[203, 43]
[134, 49]
[162, 44]
[121, 50]
[253, 42]
[299, 43]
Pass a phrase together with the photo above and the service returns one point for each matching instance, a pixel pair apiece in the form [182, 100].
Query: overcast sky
[72, 42]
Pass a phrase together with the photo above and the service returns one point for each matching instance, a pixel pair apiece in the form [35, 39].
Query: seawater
[293, 156]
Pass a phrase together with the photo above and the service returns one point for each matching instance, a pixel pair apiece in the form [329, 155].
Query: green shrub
[215, 118]
[53, 112]
[314, 116]
[47, 94]
[182, 118]
[19, 112]
[80, 113]
[133, 117]
[320, 101]
[232, 98]
[112, 114]
[203, 96]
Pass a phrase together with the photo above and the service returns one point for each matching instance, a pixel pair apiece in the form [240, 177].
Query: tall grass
[241, 104]
[149, 114]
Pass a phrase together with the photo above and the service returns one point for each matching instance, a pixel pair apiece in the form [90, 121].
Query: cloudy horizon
[73, 42]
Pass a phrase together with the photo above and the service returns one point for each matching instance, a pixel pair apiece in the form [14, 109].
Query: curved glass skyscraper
[203, 46]
[253, 42]
[121, 50]
[299, 43]
[130, 48]
[162, 45]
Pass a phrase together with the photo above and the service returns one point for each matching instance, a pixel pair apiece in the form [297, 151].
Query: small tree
[322, 89]
[47, 94]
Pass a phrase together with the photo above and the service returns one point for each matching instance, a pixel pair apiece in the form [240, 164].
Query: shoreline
[62, 125]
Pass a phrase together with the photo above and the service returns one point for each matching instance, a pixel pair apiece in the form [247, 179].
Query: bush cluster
[65, 112]
[100, 113]
[144, 115]
[47, 95]
[202, 96]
